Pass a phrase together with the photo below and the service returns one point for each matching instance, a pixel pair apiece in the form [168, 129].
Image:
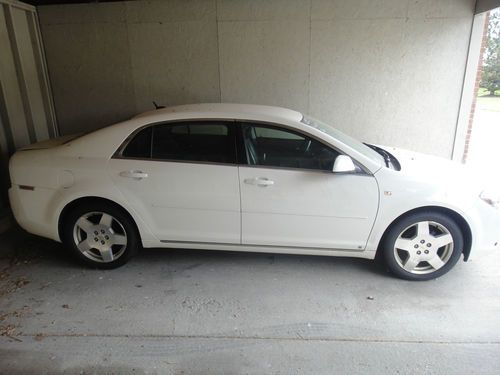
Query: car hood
[433, 169]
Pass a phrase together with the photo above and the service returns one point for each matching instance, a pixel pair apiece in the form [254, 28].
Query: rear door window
[195, 141]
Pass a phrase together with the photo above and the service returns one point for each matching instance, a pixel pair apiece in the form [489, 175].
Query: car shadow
[18, 246]
[193, 256]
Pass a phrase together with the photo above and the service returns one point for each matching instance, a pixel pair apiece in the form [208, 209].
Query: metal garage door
[26, 107]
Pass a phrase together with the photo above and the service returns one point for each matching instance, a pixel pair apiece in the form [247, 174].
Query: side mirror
[343, 164]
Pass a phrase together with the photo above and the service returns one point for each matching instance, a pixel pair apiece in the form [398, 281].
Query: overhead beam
[486, 5]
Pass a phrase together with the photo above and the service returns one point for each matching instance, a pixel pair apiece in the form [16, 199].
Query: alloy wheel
[424, 247]
[100, 237]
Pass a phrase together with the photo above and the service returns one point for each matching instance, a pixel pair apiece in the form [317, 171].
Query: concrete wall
[385, 71]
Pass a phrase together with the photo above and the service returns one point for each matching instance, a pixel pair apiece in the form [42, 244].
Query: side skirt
[366, 254]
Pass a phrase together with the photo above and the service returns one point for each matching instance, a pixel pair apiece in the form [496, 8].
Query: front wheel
[422, 246]
[100, 235]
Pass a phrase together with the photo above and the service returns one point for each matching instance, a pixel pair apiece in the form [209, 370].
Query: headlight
[491, 197]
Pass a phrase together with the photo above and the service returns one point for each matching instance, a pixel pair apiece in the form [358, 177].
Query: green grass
[486, 102]
[482, 92]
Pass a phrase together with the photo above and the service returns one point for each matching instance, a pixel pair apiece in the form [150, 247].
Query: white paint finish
[441, 8]
[307, 209]
[394, 97]
[361, 9]
[183, 201]
[265, 62]
[300, 212]
[223, 110]
[262, 10]
[181, 68]
[28, 65]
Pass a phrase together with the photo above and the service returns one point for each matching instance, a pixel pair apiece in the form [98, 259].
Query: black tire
[451, 253]
[121, 223]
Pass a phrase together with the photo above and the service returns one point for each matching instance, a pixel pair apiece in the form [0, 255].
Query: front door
[290, 196]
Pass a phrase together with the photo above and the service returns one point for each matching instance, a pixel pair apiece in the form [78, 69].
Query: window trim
[119, 152]
[241, 158]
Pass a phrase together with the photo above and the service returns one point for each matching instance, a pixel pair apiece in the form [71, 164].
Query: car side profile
[248, 178]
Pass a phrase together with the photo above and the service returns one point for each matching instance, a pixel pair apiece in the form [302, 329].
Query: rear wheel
[100, 235]
[423, 246]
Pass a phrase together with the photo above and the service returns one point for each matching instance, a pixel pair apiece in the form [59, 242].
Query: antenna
[158, 106]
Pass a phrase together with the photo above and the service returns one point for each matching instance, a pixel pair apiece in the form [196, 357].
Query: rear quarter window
[140, 145]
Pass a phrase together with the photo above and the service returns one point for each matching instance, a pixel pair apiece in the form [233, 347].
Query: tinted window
[275, 147]
[140, 145]
[209, 142]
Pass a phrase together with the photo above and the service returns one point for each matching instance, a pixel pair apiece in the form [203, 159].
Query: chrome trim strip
[261, 246]
[178, 161]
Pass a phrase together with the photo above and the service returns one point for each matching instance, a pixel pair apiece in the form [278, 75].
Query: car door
[290, 196]
[182, 179]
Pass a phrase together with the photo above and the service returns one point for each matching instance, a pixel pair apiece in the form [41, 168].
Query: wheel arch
[455, 216]
[82, 200]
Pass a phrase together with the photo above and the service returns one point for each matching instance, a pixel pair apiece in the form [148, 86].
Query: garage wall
[385, 71]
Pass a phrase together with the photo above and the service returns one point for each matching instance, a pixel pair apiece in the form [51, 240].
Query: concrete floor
[194, 312]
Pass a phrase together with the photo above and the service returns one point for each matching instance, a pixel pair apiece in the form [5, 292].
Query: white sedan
[248, 178]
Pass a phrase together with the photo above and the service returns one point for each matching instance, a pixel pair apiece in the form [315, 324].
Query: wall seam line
[129, 45]
[309, 62]
[218, 48]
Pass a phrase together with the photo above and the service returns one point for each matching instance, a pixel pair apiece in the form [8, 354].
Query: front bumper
[485, 227]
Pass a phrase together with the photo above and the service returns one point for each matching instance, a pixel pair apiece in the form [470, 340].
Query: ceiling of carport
[481, 5]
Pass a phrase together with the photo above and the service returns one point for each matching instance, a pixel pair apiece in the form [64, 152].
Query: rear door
[290, 196]
[182, 179]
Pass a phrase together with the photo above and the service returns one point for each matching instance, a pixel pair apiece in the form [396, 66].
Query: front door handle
[259, 181]
[136, 175]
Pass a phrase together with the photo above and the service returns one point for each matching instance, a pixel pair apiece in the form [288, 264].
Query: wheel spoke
[423, 228]
[106, 220]
[403, 244]
[84, 224]
[107, 254]
[118, 239]
[436, 262]
[84, 246]
[410, 263]
[442, 240]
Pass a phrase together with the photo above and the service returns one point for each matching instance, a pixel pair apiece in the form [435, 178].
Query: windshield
[344, 138]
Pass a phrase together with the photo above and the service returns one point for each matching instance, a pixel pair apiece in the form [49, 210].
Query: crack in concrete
[209, 337]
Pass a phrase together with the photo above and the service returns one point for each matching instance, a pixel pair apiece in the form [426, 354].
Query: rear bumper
[32, 210]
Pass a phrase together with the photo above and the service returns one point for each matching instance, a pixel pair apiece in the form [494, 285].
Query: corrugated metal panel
[26, 107]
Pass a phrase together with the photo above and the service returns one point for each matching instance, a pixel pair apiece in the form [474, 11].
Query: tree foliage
[490, 78]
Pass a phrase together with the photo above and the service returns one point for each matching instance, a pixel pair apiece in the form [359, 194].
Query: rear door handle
[137, 175]
[259, 181]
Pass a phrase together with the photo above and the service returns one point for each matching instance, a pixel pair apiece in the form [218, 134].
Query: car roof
[105, 141]
[221, 110]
